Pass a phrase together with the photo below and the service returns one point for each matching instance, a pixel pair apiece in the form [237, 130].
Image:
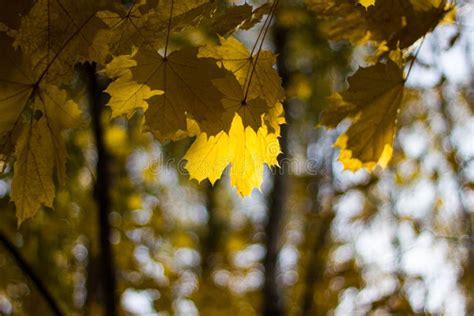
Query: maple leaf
[148, 24]
[257, 16]
[32, 185]
[129, 26]
[126, 95]
[188, 91]
[40, 151]
[44, 50]
[399, 23]
[179, 6]
[367, 3]
[265, 83]
[37, 59]
[252, 151]
[15, 86]
[234, 17]
[244, 149]
[373, 100]
[56, 35]
[275, 118]
[60, 113]
[165, 119]
[13, 11]
[226, 21]
[250, 111]
[189, 94]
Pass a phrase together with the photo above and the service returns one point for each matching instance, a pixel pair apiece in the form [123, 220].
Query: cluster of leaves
[213, 87]
[227, 96]
[375, 93]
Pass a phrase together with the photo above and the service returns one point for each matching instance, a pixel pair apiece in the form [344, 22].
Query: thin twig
[414, 58]
[28, 271]
[169, 29]
[262, 40]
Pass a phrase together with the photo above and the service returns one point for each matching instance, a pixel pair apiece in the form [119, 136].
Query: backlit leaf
[372, 101]
[33, 185]
[265, 83]
[126, 94]
[188, 91]
[367, 3]
[399, 23]
[245, 150]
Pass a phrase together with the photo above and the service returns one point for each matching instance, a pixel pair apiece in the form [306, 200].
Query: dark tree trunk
[272, 298]
[101, 192]
[318, 230]
[468, 273]
[213, 234]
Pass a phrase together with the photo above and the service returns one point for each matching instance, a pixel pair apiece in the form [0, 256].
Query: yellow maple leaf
[265, 83]
[399, 23]
[367, 3]
[41, 51]
[354, 164]
[179, 6]
[245, 150]
[60, 113]
[147, 23]
[252, 151]
[275, 118]
[15, 85]
[234, 101]
[34, 113]
[188, 91]
[126, 95]
[55, 35]
[40, 151]
[32, 185]
[129, 26]
[208, 157]
[372, 101]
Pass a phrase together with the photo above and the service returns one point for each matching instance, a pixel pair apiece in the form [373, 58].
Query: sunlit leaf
[399, 23]
[126, 94]
[257, 77]
[245, 150]
[373, 101]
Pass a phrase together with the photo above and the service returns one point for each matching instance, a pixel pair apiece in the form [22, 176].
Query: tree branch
[28, 270]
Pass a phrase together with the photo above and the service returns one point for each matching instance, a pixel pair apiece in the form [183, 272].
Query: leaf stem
[265, 29]
[169, 29]
[414, 58]
[66, 43]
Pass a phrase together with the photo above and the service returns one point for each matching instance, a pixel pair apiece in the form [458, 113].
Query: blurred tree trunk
[317, 231]
[272, 298]
[468, 230]
[102, 192]
[213, 234]
[469, 216]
